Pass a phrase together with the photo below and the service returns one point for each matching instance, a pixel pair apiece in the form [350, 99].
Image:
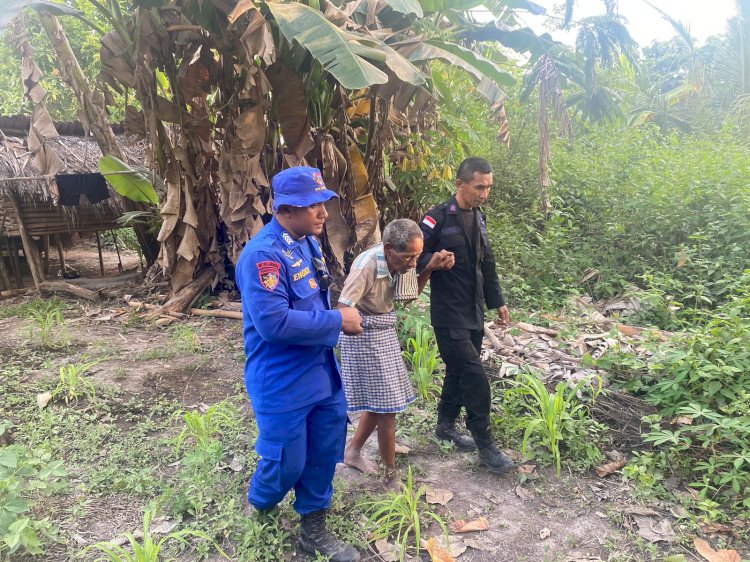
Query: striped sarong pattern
[374, 373]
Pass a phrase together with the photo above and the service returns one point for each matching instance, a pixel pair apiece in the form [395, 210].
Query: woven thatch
[40, 214]
[78, 154]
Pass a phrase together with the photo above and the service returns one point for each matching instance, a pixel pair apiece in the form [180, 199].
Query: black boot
[446, 431]
[493, 458]
[314, 539]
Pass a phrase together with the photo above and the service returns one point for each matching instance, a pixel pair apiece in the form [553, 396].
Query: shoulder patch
[268, 272]
[429, 221]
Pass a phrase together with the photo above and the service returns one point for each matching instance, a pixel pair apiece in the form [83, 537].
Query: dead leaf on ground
[527, 469]
[705, 550]
[93, 312]
[453, 544]
[610, 467]
[524, 493]
[438, 554]
[544, 533]
[43, 399]
[461, 526]
[402, 449]
[681, 420]
[585, 559]
[719, 529]
[438, 496]
[655, 530]
[639, 510]
[479, 543]
[386, 550]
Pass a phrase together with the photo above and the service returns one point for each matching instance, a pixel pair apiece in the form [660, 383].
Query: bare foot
[355, 460]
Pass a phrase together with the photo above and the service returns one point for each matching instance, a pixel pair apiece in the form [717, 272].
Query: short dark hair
[471, 166]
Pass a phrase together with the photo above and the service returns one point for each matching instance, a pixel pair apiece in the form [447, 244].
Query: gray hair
[400, 232]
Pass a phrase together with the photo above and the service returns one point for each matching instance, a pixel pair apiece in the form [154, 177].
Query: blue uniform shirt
[290, 329]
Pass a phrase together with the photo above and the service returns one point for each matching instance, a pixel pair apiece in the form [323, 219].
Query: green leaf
[443, 5]
[11, 8]
[400, 66]
[9, 456]
[131, 184]
[489, 76]
[406, 7]
[339, 52]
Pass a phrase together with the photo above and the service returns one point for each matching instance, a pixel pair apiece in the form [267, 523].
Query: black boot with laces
[315, 539]
[446, 431]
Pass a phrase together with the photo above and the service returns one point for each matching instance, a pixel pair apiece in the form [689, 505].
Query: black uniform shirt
[458, 296]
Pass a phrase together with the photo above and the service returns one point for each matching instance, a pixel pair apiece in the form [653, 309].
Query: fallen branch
[185, 296]
[10, 293]
[231, 314]
[492, 337]
[64, 287]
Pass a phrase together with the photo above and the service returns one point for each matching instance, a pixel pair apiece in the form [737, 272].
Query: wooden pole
[117, 247]
[4, 277]
[29, 247]
[60, 252]
[45, 240]
[15, 265]
[99, 247]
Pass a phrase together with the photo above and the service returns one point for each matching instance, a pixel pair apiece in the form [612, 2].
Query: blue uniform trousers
[299, 449]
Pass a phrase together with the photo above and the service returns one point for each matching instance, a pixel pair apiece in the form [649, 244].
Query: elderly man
[458, 298]
[375, 377]
[291, 373]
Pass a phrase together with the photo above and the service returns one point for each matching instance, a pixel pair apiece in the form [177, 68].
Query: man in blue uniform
[291, 373]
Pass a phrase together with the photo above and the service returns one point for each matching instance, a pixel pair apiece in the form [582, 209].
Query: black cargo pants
[465, 383]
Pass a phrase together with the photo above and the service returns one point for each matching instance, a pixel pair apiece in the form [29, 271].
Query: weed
[186, 338]
[421, 354]
[72, 384]
[147, 549]
[551, 414]
[49, 326]
[203, 427]
[23, 472]
[401, 515]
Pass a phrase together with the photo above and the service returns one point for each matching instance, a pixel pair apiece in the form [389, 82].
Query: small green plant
[186, 338]
[72, 384]
[49, 326]
[147, 549]
[401, 515]
[202, 428]
[551, 414]
[421, 354]
[23, 473]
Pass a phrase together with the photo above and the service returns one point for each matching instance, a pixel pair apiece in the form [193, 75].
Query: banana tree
[230, 93]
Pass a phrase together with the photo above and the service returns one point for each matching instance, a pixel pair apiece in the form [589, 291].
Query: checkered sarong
[375, 377]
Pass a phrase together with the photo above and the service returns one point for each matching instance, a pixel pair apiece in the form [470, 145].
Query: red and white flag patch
[429, 221]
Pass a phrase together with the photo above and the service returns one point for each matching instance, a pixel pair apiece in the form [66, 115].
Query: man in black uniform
[458, 297]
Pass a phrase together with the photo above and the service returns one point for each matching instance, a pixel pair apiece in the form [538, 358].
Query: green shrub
[23, 474]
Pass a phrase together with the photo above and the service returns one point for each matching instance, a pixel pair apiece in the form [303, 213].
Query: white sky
[704, 17]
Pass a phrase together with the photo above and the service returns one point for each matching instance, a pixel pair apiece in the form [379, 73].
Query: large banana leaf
[339, 52]
[9, 9]
[406, 7]
[490, 77]
[443, 5]
[128, 182]
[400, 66]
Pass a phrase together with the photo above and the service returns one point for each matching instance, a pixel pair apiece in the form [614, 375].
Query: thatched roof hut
[31, 201]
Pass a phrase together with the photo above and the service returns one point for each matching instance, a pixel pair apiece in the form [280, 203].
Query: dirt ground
[571, 518]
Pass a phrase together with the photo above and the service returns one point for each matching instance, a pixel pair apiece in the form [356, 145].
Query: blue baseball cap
[300, 186]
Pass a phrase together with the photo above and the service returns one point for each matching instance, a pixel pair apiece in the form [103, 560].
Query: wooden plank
[69, 288]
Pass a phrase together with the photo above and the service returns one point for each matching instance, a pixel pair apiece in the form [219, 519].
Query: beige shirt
[369, 286]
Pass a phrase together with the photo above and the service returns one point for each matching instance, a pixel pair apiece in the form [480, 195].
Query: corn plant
[72, 384]
[49, 326]
[421, 354]
[551, 414]
[147, 549]
[202, 428]
[401, 515]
